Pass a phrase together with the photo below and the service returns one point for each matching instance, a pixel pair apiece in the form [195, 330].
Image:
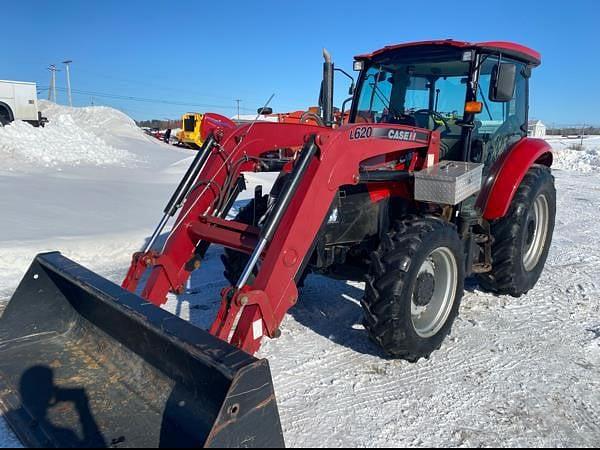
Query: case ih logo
[402, 135]
[386, 133]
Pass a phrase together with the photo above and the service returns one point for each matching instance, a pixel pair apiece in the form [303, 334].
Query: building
[536, 128]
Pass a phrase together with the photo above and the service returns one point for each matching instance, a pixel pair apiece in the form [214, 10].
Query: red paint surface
[274, 291]
[510, 171]
[510, 48]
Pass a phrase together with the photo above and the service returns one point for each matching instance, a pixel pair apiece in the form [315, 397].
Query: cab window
[500, 124]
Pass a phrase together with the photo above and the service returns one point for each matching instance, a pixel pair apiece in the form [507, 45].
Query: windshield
[425, 94]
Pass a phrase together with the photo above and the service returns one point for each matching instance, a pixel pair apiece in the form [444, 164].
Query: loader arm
[328, 160]
[233, 152]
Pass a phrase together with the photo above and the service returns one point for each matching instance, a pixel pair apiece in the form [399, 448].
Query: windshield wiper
[382, 97]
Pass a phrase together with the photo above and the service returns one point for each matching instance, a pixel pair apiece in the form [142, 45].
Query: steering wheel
[435, 115]
[395, 117]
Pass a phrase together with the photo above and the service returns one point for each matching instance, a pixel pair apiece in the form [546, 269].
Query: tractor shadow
[331, 308]
[472, 286]
[328, 307]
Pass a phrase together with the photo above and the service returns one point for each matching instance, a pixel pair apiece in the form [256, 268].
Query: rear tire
[414, 287]
[523, 237]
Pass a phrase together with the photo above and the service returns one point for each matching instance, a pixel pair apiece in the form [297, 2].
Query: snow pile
[74, 137]
[106, 123]
[569, 154]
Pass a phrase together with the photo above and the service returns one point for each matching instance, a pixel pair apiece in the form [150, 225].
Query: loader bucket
[84, 363]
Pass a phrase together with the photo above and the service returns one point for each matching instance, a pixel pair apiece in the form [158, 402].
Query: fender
[508, 172]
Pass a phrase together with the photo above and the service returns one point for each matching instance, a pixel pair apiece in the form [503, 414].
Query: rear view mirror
[503, 82]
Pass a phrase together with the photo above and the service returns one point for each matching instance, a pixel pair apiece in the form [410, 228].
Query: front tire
[414, 287]
[523, 237]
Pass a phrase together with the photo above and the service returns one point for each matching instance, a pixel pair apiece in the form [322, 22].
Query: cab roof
[513, 50]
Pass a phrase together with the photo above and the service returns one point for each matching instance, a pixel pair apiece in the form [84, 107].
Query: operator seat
[451, 144]
[423, 120]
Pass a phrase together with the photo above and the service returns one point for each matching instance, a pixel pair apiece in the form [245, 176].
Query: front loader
[432, 180]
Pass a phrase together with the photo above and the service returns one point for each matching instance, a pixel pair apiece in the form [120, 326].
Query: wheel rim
[537, 232]
[429, 318]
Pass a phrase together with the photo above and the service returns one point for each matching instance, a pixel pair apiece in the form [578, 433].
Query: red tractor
[433, 180]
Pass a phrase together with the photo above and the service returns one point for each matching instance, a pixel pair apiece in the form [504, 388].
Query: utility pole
[238, 108]
[52, 90]
[68, 70]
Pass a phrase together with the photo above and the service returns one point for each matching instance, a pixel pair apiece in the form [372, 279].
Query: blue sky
[204, 55]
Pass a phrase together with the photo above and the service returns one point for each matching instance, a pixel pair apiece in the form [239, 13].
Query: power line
[148, 100]
[153, 84]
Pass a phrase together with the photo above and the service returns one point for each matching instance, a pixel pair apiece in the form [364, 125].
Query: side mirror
[503, 82]
[265, 111]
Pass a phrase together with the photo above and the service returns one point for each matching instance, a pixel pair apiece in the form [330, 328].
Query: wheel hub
[434, 292]
[536, 233]
[424, 289]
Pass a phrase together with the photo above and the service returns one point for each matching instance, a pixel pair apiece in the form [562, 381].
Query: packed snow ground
[515, 372]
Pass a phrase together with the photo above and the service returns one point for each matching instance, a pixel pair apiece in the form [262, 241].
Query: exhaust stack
[326, 99]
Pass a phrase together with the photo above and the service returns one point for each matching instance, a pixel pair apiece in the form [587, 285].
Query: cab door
[501, 124]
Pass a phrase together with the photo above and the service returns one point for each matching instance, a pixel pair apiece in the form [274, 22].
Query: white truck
[18, 101]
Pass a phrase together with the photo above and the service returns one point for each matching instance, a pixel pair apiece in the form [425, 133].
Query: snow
[569, 156]
[514, 372]
[92, 136]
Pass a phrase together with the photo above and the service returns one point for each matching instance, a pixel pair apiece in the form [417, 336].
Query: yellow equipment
[189, 135]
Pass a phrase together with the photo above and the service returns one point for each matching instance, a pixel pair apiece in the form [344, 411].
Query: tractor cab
[474, 95]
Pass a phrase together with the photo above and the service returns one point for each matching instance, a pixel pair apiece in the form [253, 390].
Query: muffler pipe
[327, 89]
